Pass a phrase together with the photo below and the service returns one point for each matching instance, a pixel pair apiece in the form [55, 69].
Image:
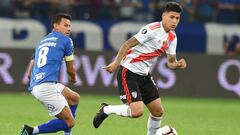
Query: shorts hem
[57, 112]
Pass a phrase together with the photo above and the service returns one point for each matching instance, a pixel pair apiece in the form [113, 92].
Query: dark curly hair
[173, 6]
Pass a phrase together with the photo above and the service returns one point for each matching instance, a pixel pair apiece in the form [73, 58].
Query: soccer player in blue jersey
[59, 100]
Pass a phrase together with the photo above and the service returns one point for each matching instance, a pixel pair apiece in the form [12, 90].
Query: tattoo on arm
[132, 42]
[172, 58]
[125, 47]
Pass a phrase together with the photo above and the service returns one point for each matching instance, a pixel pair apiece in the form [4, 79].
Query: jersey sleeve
[144, 35]
[69, 50]
[172, 47]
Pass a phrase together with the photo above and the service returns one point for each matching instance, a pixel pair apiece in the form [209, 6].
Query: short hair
[57, 18]
[173, 6]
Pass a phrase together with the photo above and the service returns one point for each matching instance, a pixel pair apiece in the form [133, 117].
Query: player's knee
[71, 123]
[137, 109]
[77, 98]
[137, 113]
[158, 112]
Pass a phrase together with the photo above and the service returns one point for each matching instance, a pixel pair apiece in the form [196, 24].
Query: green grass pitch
[190, 116]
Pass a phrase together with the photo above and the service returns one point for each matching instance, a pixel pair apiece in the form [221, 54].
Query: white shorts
[50, 95]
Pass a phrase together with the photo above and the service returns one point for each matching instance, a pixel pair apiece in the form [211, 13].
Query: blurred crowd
[232, 45]
[222, 11]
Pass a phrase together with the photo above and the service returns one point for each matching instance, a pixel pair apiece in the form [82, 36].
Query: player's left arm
[71, 70]
[69, 59]
[142, 36]
[173, 63]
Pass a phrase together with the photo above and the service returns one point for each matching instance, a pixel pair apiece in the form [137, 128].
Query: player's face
[170, 20]
[64, 26]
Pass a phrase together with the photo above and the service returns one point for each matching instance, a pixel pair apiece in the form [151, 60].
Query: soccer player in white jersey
[135, 58]
[59, 100]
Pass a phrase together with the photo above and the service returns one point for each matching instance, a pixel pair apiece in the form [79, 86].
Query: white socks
[68, 133]
[122, 110]
[153, 124]
[35, 130]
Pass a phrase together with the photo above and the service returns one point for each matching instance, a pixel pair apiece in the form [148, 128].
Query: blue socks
[73, 109]
[56, 125]
[53, 126]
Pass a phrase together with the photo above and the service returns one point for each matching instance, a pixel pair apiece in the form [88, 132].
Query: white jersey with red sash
[153, 41]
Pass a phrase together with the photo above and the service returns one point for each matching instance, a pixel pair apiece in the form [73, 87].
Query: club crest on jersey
[134, 94]
[144, 31]
[166, 43]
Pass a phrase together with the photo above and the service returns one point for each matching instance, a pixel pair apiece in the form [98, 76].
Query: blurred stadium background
[204, 97]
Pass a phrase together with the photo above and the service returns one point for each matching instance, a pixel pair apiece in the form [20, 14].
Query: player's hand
[182, 63]
[29, 77]
[111, 67]
[73, 80]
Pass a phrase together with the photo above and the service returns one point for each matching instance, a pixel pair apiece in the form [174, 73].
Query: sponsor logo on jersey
[123, 97]
[39, 76]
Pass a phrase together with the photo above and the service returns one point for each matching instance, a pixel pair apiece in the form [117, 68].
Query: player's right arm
[144, 35]
[121, 53]
[30, 67]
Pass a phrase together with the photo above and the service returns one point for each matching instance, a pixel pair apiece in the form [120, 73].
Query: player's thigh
[71, 96]
[128, 86]
[155, 107]
[49, 94]
[149, 90]
[150, 96]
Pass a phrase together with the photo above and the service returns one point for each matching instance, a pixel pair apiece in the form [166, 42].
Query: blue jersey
[48, 57]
